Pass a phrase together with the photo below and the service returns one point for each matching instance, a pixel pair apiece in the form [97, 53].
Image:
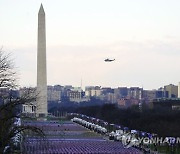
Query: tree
[10, 116]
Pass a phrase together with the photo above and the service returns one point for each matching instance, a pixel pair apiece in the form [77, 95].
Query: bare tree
[10, 106]
[8, 75]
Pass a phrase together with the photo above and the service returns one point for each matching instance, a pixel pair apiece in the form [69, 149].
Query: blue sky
[142, 35]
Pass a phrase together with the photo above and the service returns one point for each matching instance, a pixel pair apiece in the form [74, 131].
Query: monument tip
[41, 10]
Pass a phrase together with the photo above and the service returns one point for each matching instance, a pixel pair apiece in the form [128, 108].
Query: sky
[142, 35]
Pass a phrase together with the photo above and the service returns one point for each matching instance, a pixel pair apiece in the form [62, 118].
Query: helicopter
[109, 60]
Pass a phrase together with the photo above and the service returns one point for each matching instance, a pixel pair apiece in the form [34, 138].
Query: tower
[41, 109]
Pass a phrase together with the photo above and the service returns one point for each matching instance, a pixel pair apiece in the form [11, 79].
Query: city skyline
[143, 37]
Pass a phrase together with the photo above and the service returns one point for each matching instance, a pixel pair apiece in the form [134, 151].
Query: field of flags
[73, 137]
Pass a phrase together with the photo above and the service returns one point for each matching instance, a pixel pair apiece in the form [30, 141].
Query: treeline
[161, 121]
[67, 106]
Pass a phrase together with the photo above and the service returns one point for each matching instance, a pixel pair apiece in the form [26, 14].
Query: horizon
[83, 87]
[143, 37]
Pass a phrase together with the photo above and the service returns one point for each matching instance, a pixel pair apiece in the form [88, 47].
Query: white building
[93, 91]
[77, 95]
[30, 108]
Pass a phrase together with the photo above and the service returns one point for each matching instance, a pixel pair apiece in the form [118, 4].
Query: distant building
[68, 87]
[58, 87]
[77, 95]
[163, 93]
[123, 91]
[172, 90]
[54, 93]
[28, 109]
[65, 90]
[120, 92]
[93, 91]
[135, 92]
[127, 102]
[96, 93]
[124, 102]
[111, 98]
[106, 90]
[149, 95]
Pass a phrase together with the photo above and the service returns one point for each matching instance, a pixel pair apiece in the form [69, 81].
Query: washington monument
[41, 109]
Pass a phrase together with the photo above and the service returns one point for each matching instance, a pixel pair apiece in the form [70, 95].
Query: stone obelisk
[41, 109]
